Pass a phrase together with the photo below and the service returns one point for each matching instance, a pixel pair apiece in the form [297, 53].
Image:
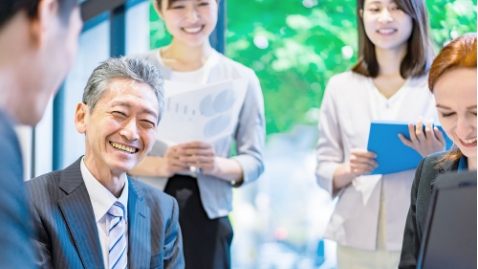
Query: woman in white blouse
[389, 82]
[201, 174]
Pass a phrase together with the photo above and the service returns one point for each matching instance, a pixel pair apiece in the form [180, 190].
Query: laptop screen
[450, 233]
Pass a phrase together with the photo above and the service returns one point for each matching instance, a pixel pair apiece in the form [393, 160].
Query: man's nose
[130, 130]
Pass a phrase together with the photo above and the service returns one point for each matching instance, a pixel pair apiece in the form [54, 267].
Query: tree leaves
[308, 41]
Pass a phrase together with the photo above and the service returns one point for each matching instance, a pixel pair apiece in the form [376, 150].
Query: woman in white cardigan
[202, 174]
[389, 82]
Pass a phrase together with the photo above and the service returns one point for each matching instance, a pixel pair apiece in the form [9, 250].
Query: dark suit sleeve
[40, 241]
[173, 245]
[15, 245]
[411, 240]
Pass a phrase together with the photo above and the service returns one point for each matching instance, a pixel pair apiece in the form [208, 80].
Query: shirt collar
[101, 198]
[463, 164]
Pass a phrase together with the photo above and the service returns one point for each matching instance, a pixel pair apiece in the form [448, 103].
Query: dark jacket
[15, 247]
[422, 188]
[67, 237]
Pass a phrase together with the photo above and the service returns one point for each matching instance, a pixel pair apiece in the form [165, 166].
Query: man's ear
[158, 10]
[47, 11]
[81, 117]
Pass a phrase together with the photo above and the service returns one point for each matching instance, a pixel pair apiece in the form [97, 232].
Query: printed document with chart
[200, 112]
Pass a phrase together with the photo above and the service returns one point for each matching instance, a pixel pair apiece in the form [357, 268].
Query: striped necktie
[117, 241]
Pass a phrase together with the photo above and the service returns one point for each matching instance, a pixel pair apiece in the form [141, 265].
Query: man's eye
[119, 113]
[147, 124]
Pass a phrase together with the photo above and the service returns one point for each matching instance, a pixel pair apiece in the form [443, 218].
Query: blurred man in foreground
[38, 42]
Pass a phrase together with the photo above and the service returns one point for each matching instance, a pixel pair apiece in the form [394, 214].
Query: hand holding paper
[172, 162]
[198, 154]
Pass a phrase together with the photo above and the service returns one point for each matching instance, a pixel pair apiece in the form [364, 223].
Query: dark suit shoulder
[45, 180]
[44, 190]
[431, 161]
[426, 173]
[431, 167]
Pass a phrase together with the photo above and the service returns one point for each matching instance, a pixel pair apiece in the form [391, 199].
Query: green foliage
[302, 47]
[304, 50]
[159, 37]
[451, 19]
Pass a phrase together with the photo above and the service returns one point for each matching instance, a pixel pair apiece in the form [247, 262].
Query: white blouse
[351, 101]
[199, 76]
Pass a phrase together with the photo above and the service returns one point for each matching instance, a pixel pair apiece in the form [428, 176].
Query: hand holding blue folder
[392, 155]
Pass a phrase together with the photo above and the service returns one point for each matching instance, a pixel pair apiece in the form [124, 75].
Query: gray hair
[125, 67]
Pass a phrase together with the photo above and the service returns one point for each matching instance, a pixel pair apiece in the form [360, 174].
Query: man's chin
[121, 168]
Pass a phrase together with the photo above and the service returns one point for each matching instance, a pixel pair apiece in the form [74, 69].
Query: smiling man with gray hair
[91, 215]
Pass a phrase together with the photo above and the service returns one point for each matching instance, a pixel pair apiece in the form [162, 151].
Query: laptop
[449, 240]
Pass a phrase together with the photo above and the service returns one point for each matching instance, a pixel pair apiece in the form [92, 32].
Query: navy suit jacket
[15, 245]
[67, 235]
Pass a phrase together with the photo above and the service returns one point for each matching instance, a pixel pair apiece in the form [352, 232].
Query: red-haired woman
[452, 80]
[389, 83]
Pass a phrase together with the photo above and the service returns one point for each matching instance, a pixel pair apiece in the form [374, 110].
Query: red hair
[459, 53]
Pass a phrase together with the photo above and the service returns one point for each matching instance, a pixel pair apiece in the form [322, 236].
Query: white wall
[44, 142]
[137, 29]
[94, 47]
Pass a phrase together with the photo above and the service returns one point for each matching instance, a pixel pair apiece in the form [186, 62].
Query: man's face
[51, 60]
[121, 129]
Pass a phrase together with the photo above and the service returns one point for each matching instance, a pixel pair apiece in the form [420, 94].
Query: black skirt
[206, 242]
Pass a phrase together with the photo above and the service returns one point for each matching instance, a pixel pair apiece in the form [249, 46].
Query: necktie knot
[116, 210]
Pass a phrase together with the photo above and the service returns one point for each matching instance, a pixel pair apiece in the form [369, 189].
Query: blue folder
[392, 155]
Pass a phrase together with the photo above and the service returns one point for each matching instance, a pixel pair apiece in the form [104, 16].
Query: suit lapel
[139, 228]
[78, 212]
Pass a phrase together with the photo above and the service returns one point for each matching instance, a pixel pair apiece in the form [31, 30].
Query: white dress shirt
[350, 103]
[102, 200]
